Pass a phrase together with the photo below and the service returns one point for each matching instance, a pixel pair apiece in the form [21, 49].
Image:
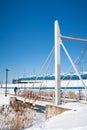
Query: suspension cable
[47, 59]
[44, 64]
[50, 56]
[50, 59]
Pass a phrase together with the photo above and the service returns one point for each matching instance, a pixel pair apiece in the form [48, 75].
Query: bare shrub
[20, 121]
[16, 123]
[73, 95]
[16, 117]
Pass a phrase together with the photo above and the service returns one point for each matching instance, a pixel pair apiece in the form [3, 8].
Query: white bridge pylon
[58, 41]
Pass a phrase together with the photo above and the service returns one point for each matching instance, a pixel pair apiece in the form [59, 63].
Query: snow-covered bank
[4, 100]
[18, 115]
[75, 119]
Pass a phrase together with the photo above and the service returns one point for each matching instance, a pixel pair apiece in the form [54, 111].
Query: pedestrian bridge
[35, 98]
[41, 101]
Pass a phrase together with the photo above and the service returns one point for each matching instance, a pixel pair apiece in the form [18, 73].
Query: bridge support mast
[57, 63]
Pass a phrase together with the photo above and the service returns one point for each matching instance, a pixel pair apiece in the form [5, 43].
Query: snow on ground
[75, 119]
[18, 117]
[4, 100]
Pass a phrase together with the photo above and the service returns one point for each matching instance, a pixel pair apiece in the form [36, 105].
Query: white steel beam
[57, 63]
[73, 38]
[58, 41]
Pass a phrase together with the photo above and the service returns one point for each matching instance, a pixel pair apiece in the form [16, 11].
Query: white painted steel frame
[57, 63]
[58, 42]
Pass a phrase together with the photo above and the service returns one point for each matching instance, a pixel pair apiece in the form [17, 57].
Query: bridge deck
[34, 101]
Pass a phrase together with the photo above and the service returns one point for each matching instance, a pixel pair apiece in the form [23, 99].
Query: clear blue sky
[27, 32]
